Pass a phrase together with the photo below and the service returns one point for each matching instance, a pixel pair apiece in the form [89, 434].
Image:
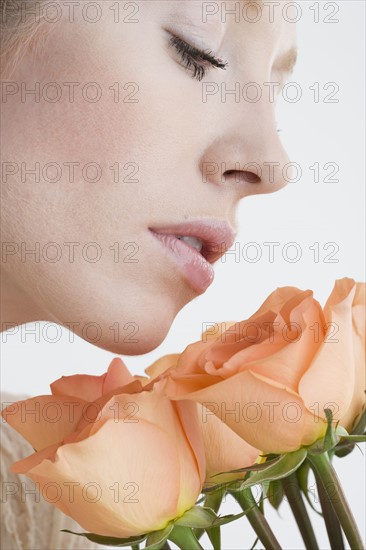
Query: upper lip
[217, 235]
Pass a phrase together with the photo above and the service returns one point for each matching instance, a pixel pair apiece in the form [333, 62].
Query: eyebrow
[286, 61]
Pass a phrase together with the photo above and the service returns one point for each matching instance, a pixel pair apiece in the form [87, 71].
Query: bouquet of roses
[261, 402]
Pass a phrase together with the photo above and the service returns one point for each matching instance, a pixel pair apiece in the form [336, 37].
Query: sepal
[286, 464]
[337, 440]
[204, 518]
[108, 541]
[157, 539]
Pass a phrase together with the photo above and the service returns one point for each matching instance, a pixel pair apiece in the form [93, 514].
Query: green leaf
[213, 500]
[197, 517]
[253, 467]
[343, 448]
[287, 464]
[205, 518]
[346, 445]
[156, 539]
[108, 541]
[355, 438]
[275, 493]
[223, 520]
[220, 486]
[264, 489]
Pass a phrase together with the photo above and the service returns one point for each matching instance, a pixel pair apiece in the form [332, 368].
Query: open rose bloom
[120, 459]
[270, 377]
[124, 455]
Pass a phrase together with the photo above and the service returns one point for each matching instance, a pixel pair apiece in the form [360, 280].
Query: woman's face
[128, 129]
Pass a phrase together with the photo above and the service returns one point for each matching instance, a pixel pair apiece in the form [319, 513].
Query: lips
[215, 237]
[194, 247]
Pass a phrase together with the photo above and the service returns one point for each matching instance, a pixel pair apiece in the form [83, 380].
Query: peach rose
[270, 377]
[351, 416]
[105, 450]
[224, 449]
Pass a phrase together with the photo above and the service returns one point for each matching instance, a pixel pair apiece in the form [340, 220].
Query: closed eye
[198, 62]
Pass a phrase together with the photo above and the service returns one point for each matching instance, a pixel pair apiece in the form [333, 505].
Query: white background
[305, 212]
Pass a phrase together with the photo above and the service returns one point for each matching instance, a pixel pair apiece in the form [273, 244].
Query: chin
[128, 318]
[144, 344]
[139, 329]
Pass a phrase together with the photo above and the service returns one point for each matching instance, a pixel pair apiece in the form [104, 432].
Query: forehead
[268, 27]
[219, 14]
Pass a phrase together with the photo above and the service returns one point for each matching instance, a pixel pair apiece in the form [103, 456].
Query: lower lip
[198, 271]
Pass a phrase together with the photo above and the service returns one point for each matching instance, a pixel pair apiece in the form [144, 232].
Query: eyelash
[196, 60]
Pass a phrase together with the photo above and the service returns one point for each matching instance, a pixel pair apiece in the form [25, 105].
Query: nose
[250, 160]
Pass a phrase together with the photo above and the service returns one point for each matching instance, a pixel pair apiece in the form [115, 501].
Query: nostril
[240, 176]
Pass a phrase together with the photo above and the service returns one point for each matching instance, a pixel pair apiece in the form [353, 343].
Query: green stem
[293, 493]
[256, 519]
[184, 538]
[331, 520]
[326, 472]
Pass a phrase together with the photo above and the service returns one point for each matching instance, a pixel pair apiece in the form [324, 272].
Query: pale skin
[162, 143]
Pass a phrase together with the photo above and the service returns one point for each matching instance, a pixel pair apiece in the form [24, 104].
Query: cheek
[125, 142]
[93, 161]
[74, 166]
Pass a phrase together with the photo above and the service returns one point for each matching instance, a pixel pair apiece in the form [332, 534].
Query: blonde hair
[19, 25]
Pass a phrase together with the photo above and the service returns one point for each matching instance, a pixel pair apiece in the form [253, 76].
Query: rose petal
[46, 419]
[188, 415]
[179, 385]
[264, 413]
[89, 387]
[225, 450]
[215, 330]
[116, 376]
[80, 386]
[277, 299]
[329, 381]
[358, 322]
[161, 365]
[117, 487]
[238, 338]
[22, 466]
